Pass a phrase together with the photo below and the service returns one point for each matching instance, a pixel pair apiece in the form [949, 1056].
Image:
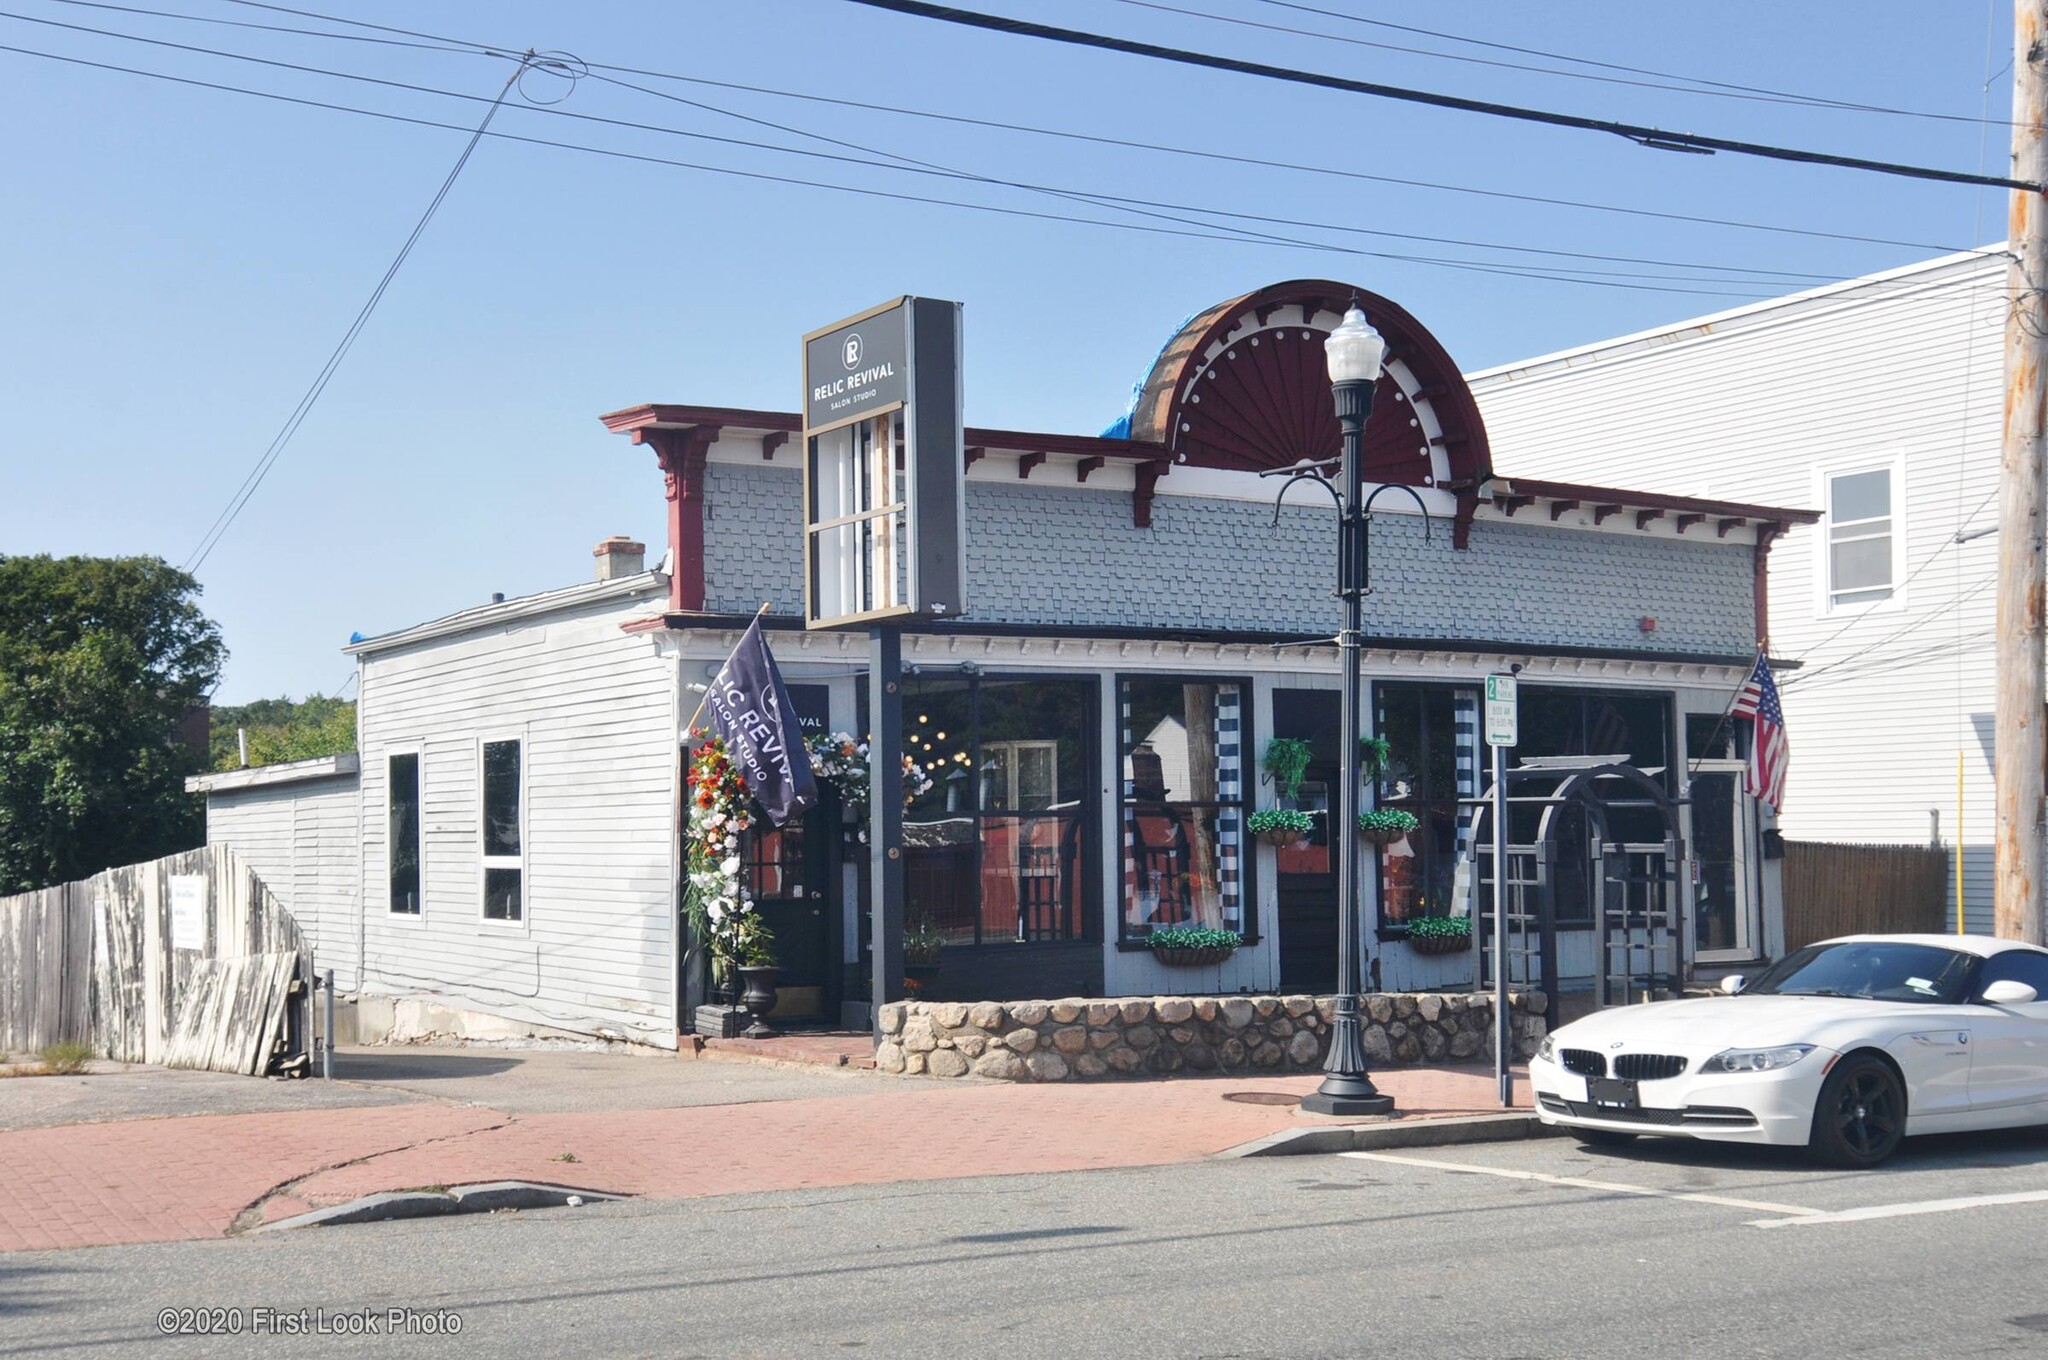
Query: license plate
[1612, 1093]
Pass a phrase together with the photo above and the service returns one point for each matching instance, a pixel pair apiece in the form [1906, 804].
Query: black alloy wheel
[1860, 1116]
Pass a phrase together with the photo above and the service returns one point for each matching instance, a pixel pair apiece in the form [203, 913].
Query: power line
[1556, 273]
[1689, 84]
[1239, 238]
[456, 45]
[254, 480]
[1643, 135]
[1759, 276]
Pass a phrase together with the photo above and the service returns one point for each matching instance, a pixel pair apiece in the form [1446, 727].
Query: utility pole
[2022, 715]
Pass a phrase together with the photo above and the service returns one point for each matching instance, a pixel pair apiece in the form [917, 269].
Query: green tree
[101, 660]
[280, 730]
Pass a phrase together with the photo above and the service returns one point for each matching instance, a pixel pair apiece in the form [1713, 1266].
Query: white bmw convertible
[1842, 1047]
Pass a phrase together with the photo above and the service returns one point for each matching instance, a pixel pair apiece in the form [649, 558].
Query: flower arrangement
[1386, 825]
[720, 908]
[843, 762]
[1280, 826]
[1440, 934]
[1192, 946]
[1193, 937]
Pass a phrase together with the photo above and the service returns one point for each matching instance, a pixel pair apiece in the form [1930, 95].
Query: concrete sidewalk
[161, 1179]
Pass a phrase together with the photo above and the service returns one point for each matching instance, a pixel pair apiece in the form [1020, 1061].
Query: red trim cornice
[681, 454]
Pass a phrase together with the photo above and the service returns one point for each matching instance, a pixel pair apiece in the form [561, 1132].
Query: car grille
[1583, 1061]
[1722, 1116]
[1648, 1066]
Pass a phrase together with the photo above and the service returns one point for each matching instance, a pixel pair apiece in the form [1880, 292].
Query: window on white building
[403, 783]
[1860, 536]
[504, 860]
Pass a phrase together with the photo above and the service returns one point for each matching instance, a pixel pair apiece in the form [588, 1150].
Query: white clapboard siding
[1756, 405]
[295, 825]
[594, 709]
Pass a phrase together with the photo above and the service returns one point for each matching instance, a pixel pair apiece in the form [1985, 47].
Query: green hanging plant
[1287, 760]
[1374, 753]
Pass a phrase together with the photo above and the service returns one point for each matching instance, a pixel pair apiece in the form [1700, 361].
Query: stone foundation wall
[1083, 1040]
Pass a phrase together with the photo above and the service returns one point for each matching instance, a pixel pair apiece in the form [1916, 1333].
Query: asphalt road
[1452, 1252]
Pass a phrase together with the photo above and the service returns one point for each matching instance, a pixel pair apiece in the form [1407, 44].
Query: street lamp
[1355, 351]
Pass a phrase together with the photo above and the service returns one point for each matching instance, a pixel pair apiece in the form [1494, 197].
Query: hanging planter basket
[1280, 837]
[1386, 827]
[1440, 944]
[1193, 958]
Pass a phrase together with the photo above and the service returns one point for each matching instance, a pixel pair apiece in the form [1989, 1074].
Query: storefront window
[1433, 735]
[995, 851]
[1185, 857]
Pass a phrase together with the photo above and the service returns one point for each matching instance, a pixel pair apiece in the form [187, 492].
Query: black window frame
[1087, 818]
[392, 838]
[1247, 782]
[489, 863]
[1431, 801]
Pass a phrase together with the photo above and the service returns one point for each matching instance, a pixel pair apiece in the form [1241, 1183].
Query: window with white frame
[504, 860]
[1861, 529]
[402, 786]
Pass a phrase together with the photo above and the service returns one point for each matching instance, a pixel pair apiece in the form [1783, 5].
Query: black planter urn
[759, 998]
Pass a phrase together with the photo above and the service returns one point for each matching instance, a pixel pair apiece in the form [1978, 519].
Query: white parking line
[1580, 1183]
[1925, 1206]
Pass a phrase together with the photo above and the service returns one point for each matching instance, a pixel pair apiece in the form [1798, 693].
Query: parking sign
[1501, 720]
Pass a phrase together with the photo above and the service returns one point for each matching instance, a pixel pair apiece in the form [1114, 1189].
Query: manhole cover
[1262, 1098]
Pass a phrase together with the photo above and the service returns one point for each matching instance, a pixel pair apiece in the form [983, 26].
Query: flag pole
[758, 613]
[1692, 766]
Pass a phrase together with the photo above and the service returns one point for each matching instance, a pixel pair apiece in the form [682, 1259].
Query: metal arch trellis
[1636, 885]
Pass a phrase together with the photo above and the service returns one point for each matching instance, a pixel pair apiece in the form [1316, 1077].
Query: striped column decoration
[1229, 789]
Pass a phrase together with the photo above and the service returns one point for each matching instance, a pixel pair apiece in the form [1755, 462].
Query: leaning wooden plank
[232, 1013]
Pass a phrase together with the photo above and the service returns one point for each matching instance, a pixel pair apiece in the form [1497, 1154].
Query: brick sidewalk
[157, 1180]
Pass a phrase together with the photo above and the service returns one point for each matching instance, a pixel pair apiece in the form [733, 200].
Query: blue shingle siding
[1069, 556]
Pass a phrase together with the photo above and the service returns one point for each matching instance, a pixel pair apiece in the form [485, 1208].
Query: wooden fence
[1863, 889]
[187, 960]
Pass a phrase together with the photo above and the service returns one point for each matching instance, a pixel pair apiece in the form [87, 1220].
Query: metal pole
[2022, 742]
[885, 820]
[1503, 1023]
[327, 1033]
[1346, 1088]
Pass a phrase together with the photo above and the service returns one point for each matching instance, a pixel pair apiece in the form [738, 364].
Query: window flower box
[1187, 947]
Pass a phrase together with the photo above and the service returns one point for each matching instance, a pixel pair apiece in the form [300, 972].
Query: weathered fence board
[116, 960]
[232, 1013]
[1863, 889]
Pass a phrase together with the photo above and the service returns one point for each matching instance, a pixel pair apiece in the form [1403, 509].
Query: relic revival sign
[884, 466]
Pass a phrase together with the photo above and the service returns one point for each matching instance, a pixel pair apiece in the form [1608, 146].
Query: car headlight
[1547, 1050]
[1756, 1059]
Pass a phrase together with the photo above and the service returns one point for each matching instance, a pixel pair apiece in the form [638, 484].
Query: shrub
[1388, 821]
[66, 1059]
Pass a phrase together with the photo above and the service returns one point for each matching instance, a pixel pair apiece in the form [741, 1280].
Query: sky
[177, 263]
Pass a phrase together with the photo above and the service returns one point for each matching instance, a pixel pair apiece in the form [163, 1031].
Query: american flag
[1769, 753]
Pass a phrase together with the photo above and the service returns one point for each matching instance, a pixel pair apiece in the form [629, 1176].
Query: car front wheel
[1860, 1115]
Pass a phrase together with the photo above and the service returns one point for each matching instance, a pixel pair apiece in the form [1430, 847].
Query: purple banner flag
[751, 710]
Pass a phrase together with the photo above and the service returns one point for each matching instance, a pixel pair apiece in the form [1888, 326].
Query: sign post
[884, 532]
[1502, 731]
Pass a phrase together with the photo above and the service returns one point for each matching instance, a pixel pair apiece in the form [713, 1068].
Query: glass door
[1723, 896]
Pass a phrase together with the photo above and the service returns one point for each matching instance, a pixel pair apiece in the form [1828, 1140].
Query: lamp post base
[1356, 1096]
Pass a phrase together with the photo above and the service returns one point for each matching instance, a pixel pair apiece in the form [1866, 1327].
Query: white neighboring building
[1880, 402]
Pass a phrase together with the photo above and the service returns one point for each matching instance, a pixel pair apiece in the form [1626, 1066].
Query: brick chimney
[619, 556]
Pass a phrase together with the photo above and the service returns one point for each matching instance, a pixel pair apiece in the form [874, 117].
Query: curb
[1487, 1128]
[483, 1198]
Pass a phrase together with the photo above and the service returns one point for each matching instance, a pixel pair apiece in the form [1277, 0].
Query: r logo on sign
[851, 356]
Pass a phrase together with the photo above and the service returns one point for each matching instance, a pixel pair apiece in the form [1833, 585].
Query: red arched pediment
[1243, 385]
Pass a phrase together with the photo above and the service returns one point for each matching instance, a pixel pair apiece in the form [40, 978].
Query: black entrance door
[788, 869]
[1308, 868]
